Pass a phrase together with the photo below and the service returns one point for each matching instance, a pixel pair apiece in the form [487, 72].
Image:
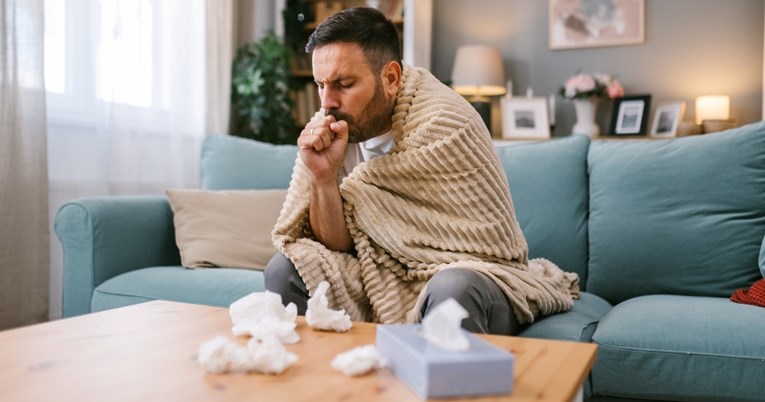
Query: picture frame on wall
[630, 115]
[666, 118]
[579, 23]
[525, 118]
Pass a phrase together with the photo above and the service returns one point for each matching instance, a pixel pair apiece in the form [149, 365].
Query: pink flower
[584, 85]
[614, 90]
[579, 83]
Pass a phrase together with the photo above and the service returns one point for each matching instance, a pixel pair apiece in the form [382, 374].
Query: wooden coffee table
[147, 352]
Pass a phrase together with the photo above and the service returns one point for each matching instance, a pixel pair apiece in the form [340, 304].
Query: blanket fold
[438, 200]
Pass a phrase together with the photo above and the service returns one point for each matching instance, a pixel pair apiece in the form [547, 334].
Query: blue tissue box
[432, 372]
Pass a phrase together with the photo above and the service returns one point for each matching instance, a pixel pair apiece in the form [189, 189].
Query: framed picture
[666, 117]
[525, 118]
[587, 23]
[630, 115]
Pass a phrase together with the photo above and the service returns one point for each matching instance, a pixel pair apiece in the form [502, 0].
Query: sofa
[661, 233]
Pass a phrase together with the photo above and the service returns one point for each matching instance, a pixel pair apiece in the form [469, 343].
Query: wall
[692, 48]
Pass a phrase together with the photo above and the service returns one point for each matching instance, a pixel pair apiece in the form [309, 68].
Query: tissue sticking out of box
[442, 326]
[320, 316]
[267, 356]
[262, 315]
[358, 361]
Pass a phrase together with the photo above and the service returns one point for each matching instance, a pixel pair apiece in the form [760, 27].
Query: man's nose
[329, 99]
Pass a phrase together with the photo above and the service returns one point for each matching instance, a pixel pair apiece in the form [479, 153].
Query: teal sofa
[661, 233]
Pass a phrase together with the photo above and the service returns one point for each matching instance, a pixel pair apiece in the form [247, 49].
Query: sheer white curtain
[126, 100]
[220, 30]
[24, 235]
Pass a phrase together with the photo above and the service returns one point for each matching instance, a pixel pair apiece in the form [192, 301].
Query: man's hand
[322, 146]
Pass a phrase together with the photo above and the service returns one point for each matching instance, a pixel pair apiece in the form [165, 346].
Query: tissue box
[432, 372]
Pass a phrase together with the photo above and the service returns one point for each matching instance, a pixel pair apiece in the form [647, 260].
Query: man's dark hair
[369, 27]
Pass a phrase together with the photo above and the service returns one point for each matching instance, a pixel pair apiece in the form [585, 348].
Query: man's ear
[391, 78]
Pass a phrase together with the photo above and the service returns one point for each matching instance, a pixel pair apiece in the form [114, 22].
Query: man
[398, 199]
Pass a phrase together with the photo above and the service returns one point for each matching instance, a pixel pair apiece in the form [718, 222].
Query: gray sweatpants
[488, 308]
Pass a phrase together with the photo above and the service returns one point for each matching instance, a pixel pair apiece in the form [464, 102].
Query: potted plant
[260, 92]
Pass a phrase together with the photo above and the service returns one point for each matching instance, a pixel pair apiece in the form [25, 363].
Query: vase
[585, 117]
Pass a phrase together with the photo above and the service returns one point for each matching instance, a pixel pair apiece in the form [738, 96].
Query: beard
[375, 118]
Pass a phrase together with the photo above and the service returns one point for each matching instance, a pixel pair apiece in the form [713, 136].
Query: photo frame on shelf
[630, 115]
[666, 119]
[578, 23]
[525, 118]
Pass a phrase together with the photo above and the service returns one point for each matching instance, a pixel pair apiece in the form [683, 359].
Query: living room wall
[691, 48]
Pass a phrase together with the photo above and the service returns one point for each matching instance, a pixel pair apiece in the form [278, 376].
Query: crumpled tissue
[320, 316]
[267, 356]
[442, 326]
[262, 315]
[358, 361]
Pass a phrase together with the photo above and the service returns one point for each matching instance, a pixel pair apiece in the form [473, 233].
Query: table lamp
[479, 73]
[713, 113]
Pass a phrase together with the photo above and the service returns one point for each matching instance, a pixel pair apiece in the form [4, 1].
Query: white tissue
[320, 316]
[213, 354]
[220, 355]
[442, 326]
[358, 361]
[269, 356]
[262, 315]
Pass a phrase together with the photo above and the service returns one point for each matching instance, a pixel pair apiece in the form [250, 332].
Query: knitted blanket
[438, 200]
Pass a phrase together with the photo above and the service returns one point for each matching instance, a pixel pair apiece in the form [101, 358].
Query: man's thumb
[340, 128]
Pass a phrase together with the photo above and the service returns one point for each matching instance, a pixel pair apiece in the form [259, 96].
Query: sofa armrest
[103, 237]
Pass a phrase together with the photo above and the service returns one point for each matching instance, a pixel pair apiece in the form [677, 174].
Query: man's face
[350, 90]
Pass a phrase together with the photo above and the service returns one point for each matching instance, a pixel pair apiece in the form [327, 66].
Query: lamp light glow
[712, 107]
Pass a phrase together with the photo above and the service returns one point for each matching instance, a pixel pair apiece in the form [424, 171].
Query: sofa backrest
[234, 163]
[681, 216]
[548, 184]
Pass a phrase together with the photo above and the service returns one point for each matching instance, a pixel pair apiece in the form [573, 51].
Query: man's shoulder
[434, 96]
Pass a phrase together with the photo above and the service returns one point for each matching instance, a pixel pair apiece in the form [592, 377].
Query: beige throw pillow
[230, 229]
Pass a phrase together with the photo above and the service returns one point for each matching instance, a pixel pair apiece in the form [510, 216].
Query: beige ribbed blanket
[439, 199]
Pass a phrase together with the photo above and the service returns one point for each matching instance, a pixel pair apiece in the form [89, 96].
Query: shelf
[310, 26]
[299, 73]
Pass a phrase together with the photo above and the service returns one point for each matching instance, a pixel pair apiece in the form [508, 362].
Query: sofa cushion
[577, 324]
[230, 228]
[664, 346]
[218, 287]
[548, 184]
[235, 163]
[680, 216]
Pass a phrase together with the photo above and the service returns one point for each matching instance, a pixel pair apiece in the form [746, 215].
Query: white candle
[551, 108]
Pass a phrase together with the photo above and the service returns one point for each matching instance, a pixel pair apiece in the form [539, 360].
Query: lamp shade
[478, 70]
[712, 107]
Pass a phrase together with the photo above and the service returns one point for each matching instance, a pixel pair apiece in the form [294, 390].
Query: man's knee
[488, 309]
[282, 277]
[279, 271]
[462, 285]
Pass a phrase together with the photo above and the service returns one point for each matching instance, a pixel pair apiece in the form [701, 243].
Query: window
[125, 52]
[125, 92]
[55, 27]
[129, 54]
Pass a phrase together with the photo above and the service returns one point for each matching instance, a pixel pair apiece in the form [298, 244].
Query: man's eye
[346, 85]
